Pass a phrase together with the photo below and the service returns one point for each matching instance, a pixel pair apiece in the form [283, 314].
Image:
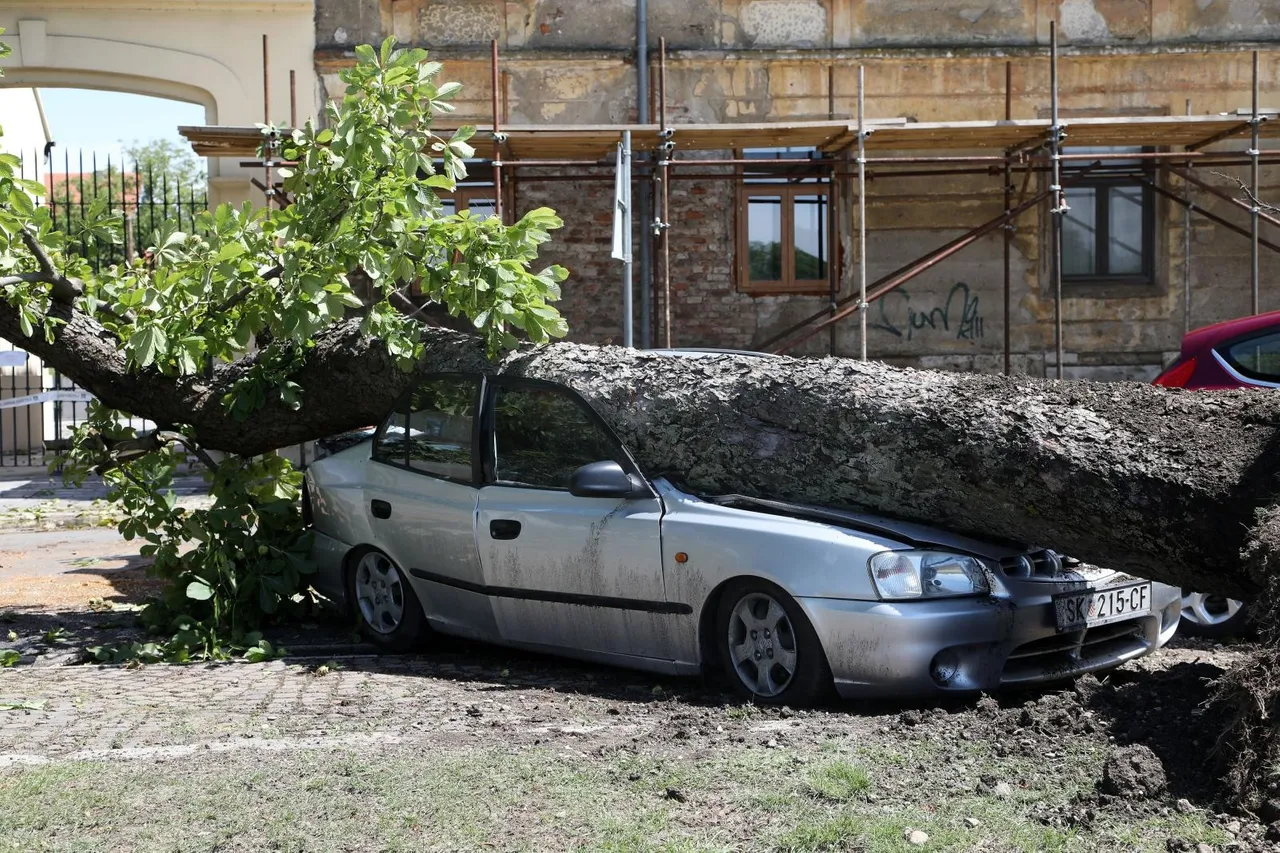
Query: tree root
[1248, 750]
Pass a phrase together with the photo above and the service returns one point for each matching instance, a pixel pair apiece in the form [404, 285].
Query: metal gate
[39, 408]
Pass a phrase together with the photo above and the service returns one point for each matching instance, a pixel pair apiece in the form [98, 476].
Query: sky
[96, 121]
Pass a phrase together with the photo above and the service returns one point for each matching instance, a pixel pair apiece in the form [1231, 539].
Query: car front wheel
[1212, 615]
[767, 646]
[384, 603]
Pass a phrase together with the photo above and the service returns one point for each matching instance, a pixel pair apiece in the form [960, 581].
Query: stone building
[743, 246]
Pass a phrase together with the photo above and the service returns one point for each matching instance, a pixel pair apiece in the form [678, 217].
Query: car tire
[1213, 616]
[384, 602]
[783, 663]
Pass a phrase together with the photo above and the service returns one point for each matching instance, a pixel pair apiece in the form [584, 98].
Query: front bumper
[965, 645]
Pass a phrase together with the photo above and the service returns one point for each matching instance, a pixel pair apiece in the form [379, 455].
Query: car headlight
[927, 574]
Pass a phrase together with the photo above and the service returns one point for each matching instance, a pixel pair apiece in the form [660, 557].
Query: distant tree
[156, 180]
[165, 167]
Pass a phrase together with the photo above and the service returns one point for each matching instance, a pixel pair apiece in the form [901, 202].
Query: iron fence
[39, 408]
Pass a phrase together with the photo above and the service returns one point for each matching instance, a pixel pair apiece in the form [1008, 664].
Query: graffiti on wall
[958, 315]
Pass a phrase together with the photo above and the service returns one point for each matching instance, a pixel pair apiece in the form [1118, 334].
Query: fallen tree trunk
[1164, 484]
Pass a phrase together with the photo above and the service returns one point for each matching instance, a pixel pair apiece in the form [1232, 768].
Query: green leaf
[22, 202]
[229, 251]
[146, 343]
[199, 591]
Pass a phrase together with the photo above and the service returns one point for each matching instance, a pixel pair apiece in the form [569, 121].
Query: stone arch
[91, 63]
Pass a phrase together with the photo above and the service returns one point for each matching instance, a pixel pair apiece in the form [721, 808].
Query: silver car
[505, 510]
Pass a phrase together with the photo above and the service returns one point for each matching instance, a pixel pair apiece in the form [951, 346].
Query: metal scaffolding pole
[645, 205]
[833, 253]
[1008, 228]
[862, 216]
[624, 187]
[497, 136]
[1059, 200]
[664, 166]
[1186, 248]
[1254, 209]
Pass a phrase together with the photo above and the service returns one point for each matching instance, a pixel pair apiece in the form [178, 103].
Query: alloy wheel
[1202, 609]
[379, 592]
[762, 644]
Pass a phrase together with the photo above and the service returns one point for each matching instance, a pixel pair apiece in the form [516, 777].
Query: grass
[803, 799]
[839, 781]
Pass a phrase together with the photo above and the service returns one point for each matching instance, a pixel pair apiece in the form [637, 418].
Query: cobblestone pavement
[471, 694]
[78, 712]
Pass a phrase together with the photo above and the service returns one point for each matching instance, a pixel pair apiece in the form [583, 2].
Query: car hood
[915, 534]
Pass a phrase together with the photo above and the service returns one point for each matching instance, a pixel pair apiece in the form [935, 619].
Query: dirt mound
[1134, 771]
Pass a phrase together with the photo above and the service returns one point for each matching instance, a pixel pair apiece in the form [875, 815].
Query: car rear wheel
[384, 602]
[1206, 615]
[767, 646]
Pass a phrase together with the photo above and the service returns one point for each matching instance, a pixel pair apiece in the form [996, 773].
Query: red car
[1241, 353]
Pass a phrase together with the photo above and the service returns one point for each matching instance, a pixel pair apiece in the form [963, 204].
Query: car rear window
[433, 433]
[1258, 357]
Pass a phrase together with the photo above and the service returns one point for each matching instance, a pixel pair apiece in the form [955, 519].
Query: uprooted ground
[469, 747]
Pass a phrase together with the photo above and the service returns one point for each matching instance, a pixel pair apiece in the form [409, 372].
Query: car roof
[1205, 337]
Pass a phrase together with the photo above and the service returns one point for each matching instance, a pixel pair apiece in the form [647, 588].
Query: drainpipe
[645, 205]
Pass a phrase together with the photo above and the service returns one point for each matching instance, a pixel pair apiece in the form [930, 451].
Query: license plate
[1075, 610]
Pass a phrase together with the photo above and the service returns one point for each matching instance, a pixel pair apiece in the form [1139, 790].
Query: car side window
[392, 445]
[1257, 358]
[441, 415]
[541, 436]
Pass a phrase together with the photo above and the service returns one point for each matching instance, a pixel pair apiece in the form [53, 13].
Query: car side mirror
[603, 480]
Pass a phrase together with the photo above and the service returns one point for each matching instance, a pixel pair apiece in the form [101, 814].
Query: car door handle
[504, 528]
[380, 509]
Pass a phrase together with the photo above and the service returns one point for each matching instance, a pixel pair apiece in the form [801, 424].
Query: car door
[581, 573]
[421, 500]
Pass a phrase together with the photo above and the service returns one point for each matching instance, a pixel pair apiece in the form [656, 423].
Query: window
[392, 445]
[1257, 358]
[784, 234]
[434, 434]
[479, 199]
[1108, 233]
[541, 436]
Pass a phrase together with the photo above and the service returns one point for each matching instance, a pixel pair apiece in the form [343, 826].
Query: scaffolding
[848, 154]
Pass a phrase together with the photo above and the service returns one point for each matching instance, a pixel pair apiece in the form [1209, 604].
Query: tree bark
[1165, 484]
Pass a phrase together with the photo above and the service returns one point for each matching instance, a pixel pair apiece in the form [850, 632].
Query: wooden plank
[596, 142]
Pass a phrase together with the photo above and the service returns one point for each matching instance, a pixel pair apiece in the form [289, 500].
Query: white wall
[207, 52]
[25, 128]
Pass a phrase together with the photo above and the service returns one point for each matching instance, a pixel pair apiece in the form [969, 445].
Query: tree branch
[1248, 192]
[25, 278]
[42, 257]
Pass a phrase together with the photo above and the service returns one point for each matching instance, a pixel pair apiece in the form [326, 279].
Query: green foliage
[9, 657]
[365, 233]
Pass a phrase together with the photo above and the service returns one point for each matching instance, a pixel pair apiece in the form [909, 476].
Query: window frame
[789, 183]
[488, 431]
[402, 407]
[1102, 185]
